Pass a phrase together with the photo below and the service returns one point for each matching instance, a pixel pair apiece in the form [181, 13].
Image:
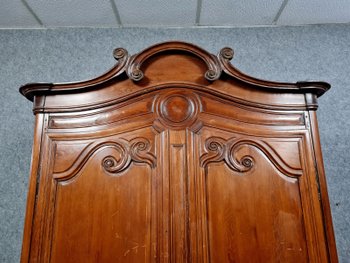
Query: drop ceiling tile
[60, 13]
[157, 12]
[13, 14]
[239, 12]
[315, 12]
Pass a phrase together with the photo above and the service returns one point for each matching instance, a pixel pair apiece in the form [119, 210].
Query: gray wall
[282, 53]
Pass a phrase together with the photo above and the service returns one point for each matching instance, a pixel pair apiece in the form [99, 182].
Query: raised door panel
[255, 217]
[103, 218]
[97, 200]
[254, 210]
[257, 198]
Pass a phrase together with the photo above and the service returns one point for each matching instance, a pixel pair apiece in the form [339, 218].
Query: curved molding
[317, 87]
[219, 149]
[189, 86]
[137, 150]
[32, 89]
[134, 68]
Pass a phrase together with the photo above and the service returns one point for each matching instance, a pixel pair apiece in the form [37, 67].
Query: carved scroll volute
[177, 110]
[137, 150]
[218, 149]
[140, 151]
[240, 163]
[120, 54]
[114, 164]
[119, 159]
[226, 53]
[134, 69]
[232, 151]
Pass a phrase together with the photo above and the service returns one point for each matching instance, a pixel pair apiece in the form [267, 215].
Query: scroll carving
[227, 53]
[219, 149]
[120, 53]
[140, 152]
[115, 165]
[137, 150]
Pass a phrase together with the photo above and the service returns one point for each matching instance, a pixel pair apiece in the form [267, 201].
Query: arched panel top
[115, 82]
[214, 68]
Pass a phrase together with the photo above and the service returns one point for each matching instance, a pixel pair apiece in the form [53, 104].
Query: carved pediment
[132, 66]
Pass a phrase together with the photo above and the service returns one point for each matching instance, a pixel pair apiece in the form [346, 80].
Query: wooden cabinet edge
[32, 189]
[324, 199]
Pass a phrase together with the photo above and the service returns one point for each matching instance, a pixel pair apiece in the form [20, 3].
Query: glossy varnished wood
[174, 155]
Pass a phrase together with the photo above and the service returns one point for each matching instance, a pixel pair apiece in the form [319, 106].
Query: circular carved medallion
[177, 109]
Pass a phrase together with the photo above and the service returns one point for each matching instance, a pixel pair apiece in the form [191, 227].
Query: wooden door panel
[102, 194]
[102, 217]
[253, 202]
[255, 216]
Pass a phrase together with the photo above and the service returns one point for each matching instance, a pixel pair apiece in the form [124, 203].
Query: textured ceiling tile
[57, 13]
[315, 12]
[13, 14]
[157, 12]
[239, 12]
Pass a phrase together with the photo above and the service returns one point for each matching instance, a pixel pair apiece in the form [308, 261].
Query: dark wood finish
[174, 155]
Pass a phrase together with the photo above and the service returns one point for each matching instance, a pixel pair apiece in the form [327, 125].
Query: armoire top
[180, 64]
[131, 65]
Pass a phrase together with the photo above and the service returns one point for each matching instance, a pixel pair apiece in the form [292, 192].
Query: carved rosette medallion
[177, 110]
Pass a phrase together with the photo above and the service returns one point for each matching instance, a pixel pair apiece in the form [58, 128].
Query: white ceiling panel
[60, 13]
[163, 13]
[239, 12]
[157, 12]
[13, 14]
[315, 12]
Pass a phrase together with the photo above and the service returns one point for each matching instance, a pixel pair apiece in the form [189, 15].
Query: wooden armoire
[174, 155]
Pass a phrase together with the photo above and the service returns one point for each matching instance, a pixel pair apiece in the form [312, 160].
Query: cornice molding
[131, 65]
